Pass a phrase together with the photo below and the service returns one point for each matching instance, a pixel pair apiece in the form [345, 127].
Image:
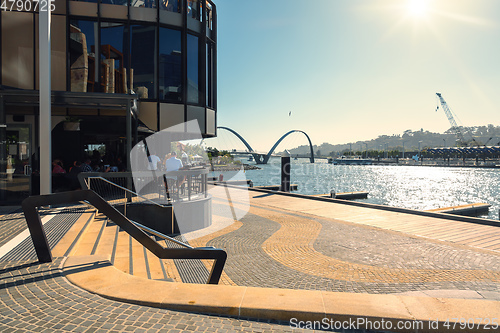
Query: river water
[414, 187]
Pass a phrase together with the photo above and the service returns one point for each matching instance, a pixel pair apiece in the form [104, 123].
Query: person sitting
[173, 163]
[57, 167]
[85, 166]
[73, 175]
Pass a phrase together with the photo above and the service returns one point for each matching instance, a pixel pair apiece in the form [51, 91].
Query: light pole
[366, 146]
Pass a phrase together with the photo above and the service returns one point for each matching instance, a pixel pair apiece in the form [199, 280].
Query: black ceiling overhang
[69, 99]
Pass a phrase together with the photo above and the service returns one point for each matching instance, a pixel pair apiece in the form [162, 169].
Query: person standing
[172, 164]
[153, 161]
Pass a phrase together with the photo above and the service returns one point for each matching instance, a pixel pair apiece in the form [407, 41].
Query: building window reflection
[210, 78]
[83, 70]
[115, 2]
[143, 3]
[194, 9]
[171, 5]
[116, 57]
[170, 65]
[209, 16]
[142, 60]
[113, 71]
[192, 69]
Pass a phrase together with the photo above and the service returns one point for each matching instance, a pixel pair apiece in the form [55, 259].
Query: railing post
[285, 171]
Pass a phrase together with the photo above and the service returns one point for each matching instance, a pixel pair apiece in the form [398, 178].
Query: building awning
[71, 99]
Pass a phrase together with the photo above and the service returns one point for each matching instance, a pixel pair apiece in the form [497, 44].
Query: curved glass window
[113, 71]
[115, 2]
[194, 9]
[210, 78]
[142, 60]
[171, 5]
[143, 3]
[84, 72]
[193, 72]
[170, 65]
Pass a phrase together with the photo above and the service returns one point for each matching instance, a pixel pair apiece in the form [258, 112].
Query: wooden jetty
[345, 195]
[474, 209]
[293, 187]
[236, 182]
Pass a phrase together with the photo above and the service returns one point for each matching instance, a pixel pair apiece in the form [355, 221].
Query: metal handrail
[122, 188]
[44, 253]
[159, 234]
[143, 227]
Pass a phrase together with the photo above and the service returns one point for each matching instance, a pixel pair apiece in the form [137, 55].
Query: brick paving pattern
[278, 249]
[270, 247]
[11, 225]
[37, 298]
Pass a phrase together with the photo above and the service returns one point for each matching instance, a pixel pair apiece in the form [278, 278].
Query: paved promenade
[289, 256]
[38, 298]
[276, 245]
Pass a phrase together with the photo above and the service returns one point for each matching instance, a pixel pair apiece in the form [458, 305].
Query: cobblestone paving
[11, 225]
[37, 298]
[274, 248]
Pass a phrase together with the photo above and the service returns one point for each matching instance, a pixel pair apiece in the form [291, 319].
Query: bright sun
[418, 7]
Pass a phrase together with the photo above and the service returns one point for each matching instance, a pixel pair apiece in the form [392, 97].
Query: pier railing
[181, 185]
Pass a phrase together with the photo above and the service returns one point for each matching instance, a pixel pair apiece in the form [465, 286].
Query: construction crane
[454, 127]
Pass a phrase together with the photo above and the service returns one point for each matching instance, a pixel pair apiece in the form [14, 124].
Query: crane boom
[455, 128]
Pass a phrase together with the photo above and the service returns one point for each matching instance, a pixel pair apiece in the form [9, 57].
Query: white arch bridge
[263, 158]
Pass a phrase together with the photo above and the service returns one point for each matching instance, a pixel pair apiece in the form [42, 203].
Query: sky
[351, 70]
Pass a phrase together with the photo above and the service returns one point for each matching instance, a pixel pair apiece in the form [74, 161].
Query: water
[414, 187]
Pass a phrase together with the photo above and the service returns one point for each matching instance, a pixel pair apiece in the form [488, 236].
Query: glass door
[15, 163]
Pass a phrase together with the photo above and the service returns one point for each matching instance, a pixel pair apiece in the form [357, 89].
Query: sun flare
[418, 8]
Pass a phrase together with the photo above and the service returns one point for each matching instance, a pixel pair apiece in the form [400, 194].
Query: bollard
[285, 171]
[332, 194]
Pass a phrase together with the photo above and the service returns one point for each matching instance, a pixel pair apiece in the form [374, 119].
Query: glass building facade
[163, 51]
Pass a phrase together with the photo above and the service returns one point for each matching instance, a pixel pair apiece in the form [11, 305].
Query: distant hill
[489, 135]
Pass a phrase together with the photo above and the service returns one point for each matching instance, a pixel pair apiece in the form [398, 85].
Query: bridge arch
[268, 156]
[261, 158]
[256, 156]
[250, 149]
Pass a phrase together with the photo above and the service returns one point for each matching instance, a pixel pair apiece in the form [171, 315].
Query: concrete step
[100, 236]
[90, 238]
[70, 241]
